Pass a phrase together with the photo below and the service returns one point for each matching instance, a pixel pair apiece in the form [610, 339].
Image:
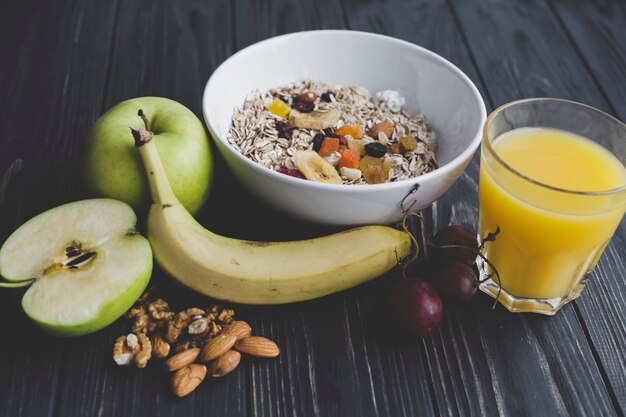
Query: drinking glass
[549, 239]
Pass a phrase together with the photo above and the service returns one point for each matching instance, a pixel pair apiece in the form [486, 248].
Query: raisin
[283, 129]
[317, 141]
[327, 97]
[375, 149]
[343, 140]
[303, 107]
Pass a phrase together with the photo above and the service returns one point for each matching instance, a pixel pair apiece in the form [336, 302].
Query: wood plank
[523, 54]
[596, 28]
[597, 31]
[473, 372]
[334, 355]
[51, 84]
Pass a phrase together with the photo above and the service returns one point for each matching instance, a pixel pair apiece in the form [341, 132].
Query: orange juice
[549, 238]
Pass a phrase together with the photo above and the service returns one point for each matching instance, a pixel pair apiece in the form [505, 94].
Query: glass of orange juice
[553, 187]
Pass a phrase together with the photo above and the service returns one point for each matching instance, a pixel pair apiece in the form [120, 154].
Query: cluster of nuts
[195, 336]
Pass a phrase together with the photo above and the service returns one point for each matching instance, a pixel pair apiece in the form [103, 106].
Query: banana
[315, 168]
[315, 120]
[259, 272]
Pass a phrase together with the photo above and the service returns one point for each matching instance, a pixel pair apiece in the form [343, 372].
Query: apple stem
[16, 284]
[160, 187]
[141, 114]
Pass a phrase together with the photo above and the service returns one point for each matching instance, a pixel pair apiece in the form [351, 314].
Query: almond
[187, 379]
[182, 359]
[160, 348]
[386, 127]
[258, 346]
[225, 364]
[217, 346]
[240, 329]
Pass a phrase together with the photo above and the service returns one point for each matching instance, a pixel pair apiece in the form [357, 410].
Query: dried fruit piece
[317, 141]
[182, 359]
[315, 168]
[356, 131]
[329, 145]
[279, 108]
[225, 364]
[217, 346]
[291, 172]
[349, 159]
[303, 107]
[315, 120]
[375, 149]
[374, 170]
[357, 145]
[394, 149]
[327, 96]
[187, 379]
[239, 328]
[386, 127]
[408, 142]
[284, 130]
[306, 97]
[258, 346]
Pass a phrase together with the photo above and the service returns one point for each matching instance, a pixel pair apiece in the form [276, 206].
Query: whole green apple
[112, 168]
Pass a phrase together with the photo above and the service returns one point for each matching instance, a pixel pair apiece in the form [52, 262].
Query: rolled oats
[253, 132]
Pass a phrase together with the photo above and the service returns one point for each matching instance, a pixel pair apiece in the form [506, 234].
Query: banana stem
[16, 284]
[160, 187]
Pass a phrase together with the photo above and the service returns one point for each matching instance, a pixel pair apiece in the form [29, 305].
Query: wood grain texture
[525, 39]
[51, 86]
[596, 30]
[70, 61]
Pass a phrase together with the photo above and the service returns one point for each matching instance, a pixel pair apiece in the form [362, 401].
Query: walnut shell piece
[187, 379]
[225, 364]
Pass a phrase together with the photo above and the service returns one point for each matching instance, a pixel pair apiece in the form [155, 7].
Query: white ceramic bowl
[430, 84]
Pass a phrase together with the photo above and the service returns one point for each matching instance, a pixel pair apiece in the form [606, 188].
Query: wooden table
[64, 63]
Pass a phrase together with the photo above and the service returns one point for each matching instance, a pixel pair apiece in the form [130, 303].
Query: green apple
[111, 165]
[84, 262]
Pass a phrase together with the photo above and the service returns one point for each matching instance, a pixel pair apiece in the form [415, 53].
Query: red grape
[417, 306]
[456, 282]
[456, 235]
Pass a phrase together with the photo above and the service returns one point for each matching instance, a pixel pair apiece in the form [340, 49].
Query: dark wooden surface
[63, 63]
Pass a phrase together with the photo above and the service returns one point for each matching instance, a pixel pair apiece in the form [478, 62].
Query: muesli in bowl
[333, 134]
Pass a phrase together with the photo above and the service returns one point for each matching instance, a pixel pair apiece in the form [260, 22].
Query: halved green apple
[85, 264]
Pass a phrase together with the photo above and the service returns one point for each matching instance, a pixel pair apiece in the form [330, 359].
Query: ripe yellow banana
[259, 272]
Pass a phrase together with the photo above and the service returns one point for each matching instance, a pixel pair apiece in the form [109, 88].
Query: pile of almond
[199, 338]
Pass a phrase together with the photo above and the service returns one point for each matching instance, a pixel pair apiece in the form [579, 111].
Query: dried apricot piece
[356, 131]
[349, 159]
[279, 108]
[329, 145]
